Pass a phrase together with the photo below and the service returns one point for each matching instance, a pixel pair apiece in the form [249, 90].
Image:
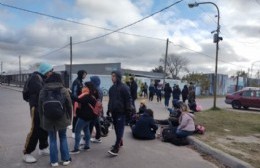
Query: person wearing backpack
[85, 116]
[34, 85]
[55, 109]
[76, 89]
[119, 105]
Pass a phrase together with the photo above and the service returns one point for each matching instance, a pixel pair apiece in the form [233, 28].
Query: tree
[199, 79]
[175, 64]
[158, 69]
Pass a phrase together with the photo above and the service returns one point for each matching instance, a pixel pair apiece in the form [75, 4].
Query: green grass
[239, 124]
[221, 123]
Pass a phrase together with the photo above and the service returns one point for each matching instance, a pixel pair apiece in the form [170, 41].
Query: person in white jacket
[186, 123]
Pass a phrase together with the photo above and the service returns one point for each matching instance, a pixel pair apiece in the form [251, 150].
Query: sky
[140, 46]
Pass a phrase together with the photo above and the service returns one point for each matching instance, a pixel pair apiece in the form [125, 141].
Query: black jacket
[119, 97]
[76, 88]
[133, 89]
[35, 85]
[86, 112]
[145, 127]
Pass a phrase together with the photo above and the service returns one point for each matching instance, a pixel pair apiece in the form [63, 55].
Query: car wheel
[236, 105]
[246, 107]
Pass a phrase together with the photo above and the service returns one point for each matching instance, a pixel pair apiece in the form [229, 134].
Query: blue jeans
[82, 125]
[119, 124]
[64, 149]
[183, 134]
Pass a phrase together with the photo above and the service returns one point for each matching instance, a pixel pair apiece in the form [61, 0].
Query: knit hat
[44, 68]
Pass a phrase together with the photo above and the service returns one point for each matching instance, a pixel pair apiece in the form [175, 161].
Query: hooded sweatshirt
[96, 82]
[119, 97]
[186, 121]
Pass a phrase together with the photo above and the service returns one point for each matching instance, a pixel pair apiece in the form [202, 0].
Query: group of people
[53, 107]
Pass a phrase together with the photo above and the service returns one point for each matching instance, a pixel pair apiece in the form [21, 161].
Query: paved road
[14, 126]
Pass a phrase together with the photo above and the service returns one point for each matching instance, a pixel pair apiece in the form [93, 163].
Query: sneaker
[29, 158]
[114, 151]
[75, 151]
[94, 140]
[66, 163]
[44, 152]
[85, 148]
[54, 164]
[70, 127]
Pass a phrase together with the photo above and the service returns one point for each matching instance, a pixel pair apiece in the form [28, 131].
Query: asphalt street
[15, 124]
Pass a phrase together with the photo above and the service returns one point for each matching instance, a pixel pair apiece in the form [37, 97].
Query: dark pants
[36, 134]
[74, 122]
[95, 123]
[119, 124]
[151, 96]
[166, 101]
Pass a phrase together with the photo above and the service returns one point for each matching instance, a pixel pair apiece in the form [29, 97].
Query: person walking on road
[119, 105]
[36, 133]
[59, 119]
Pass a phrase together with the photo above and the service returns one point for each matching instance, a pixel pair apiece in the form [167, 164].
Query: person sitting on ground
[186, 123]
[145, 128]
[142, 107]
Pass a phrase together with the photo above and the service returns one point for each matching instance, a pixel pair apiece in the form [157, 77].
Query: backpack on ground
[167, 135]
[98, 108]
[180, 141]
[53, 104]
[199, 129]
[104, 124]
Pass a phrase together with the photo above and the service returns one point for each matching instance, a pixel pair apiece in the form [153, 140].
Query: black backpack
[53, 104]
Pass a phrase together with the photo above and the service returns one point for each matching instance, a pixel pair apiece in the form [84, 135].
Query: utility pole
[70, 61]
[20, 72]
[165, 60]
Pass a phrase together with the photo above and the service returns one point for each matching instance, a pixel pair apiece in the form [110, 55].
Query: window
[258, 93]
[248, 93]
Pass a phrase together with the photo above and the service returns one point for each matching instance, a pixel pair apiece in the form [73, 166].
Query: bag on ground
[199, 129]
[53, 104]
[167, 135]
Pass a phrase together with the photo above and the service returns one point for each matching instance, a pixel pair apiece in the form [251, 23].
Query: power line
[200, 53]
[224, 26]
[75, 22]
[54, 51]
[131, 24]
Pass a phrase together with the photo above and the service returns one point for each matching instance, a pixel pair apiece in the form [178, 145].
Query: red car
[247, 97]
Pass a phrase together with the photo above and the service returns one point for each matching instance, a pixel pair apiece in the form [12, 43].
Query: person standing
[56, 123]
[119, 105]
[151, 91]
[86, 115]
[133, 90]
[96, 82]
[76, 89]
[167, 94]
[36, 132]
[184, 93]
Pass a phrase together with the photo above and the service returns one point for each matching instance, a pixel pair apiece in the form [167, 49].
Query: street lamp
[216, 39]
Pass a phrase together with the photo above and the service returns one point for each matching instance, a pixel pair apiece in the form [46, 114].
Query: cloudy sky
[34, 37]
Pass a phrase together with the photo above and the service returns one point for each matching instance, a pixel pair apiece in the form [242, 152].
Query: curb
[224, 158]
